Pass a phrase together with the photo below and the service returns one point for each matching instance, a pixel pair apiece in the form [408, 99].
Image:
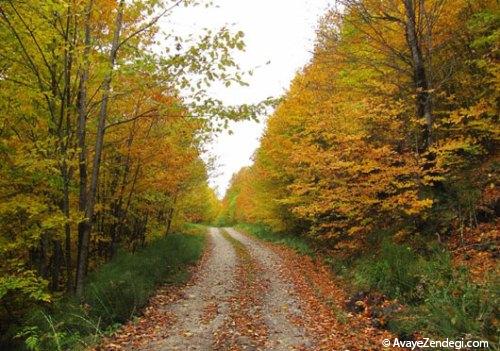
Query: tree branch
[150, 24]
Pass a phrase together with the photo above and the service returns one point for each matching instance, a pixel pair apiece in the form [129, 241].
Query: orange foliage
[342, 154]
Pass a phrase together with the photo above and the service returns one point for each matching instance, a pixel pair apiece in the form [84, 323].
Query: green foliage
[114, 293]
[485, 25]
[19, 291]
[453, 308]
[442, 300]
[26, 285]
[226, 216]
[394, 272]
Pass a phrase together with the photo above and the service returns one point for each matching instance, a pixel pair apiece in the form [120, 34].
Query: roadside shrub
[117, 290]
[441, 299]
[394, 272]
[453, 308]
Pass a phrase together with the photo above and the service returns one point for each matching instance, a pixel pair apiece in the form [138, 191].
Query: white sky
[279, 31]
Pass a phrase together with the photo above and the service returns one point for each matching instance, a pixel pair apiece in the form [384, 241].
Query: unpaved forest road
[250, 295]
[239, 301]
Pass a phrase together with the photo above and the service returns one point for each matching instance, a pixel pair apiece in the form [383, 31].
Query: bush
[114, 294]
[394, 272]
[453, 308]
[442, 300]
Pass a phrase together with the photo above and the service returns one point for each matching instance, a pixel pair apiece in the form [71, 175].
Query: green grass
[453, 308]
[114, 293]
[124, 285]
[394, 271]
[263, 232]
[441, 300]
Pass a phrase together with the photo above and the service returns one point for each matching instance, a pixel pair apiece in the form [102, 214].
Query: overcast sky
[279, 31]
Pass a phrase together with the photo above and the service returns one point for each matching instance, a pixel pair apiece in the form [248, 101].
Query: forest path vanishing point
[245, 295]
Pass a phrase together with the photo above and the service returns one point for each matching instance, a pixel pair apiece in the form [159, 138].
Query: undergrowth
[439, 300]
[114, 293]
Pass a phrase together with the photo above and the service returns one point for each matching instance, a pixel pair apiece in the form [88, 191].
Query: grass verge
[114, 293]
[263, 232]
[440, 300]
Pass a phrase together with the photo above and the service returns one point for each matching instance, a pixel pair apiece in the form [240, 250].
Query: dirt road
[239, 302]
[250, 295]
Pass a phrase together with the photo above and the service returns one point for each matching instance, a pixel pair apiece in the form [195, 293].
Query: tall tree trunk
[119, 211]
[64, 133]
[81, 129]
[44, 264]
[67, 234]
[423, 101]
[91, 195]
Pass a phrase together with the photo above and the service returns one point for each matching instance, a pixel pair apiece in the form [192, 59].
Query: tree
[344, 155]
[99, 134]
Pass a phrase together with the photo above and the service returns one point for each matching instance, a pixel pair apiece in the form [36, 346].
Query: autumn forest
[370, 211]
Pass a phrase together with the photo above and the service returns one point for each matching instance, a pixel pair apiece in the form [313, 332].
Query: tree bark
[67, 234]
[81, 135]
[169, 221]
[91, 195]
[423, 100]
